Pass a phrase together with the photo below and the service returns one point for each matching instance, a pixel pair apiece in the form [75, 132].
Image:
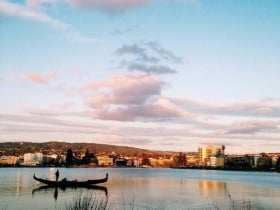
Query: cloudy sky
[156, 74]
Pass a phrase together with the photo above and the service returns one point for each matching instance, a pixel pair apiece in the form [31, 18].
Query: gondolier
[56, 175]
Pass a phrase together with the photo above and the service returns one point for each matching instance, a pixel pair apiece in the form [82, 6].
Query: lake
[137, 188]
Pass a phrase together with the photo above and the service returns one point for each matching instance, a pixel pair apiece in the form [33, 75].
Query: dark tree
[277, 166]
[180, 160]
[86, 158]
[69, 157]
[146, 161]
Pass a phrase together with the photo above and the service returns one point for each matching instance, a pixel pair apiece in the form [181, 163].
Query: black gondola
[73, 183]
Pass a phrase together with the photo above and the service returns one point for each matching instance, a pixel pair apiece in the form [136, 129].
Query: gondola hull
[73, 183]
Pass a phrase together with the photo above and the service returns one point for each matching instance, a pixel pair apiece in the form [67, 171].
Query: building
[105, 160]
[217, 162]
[8, 160]
[240, 161]
[32, 159]
[206, 152]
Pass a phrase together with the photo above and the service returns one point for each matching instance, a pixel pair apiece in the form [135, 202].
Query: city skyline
[165, 75]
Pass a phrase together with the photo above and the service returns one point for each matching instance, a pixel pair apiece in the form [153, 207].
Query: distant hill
[18, 148]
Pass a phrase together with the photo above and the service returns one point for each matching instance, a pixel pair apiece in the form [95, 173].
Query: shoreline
[183, 167]
[230, 169]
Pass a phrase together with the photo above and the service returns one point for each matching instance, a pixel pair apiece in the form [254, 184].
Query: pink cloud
[124, 89]
[38, 2]
[129, 97]
[252, 126]
[115, 5]
[108, 5]
[161, 109]
[38, 78]
[263, 108]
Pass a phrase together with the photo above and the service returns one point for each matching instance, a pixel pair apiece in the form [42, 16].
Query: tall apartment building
[207, 151]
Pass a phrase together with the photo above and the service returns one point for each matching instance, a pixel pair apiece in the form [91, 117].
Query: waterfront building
[137, 162]
[38, 156]
[217, 162]
[264, 162]
[32, 159]
[240, 161]
[105, 160]
[256, 157]
[193, 160]
[206, 152]
[8, 160]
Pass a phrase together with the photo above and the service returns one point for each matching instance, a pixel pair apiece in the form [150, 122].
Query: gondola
[74, 183]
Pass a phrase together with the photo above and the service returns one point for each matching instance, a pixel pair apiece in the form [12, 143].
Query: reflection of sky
[155, 188]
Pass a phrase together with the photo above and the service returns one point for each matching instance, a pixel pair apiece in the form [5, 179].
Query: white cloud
[31, 12]
[21, 11]
[75, 36]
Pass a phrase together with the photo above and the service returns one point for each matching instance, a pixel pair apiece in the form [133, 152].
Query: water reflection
[55, 195]
[144, 188]
[210, 188]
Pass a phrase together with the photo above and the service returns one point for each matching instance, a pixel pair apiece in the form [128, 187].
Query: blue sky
[156, 74]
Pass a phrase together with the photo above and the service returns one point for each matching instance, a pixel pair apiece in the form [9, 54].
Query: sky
[154, 74]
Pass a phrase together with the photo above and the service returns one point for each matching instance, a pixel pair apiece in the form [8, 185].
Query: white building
[32, 159]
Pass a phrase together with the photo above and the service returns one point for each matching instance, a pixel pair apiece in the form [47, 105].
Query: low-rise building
[105, 160]
[32, 159]
[8, 160]
[217, 162]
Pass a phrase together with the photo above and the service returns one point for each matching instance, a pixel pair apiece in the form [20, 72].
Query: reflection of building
[210, 188]
[211, 155]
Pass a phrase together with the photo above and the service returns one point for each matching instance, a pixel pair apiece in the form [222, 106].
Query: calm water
[143, 188]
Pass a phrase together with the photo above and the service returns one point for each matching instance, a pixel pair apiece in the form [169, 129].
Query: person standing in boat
[56, 175]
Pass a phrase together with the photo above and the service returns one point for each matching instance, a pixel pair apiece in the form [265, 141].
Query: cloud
[36, 3]
[252, 127]
[148, 57]
[75, 36]
[156, 69]
[125, 30]
[109, 5]
[262, 108]
[130, 97]
[163, 53]
[139, 52]
[31, 12]
[38, 78]
[47, 118]
[21, 11]
[124, 89]
[161, 109]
